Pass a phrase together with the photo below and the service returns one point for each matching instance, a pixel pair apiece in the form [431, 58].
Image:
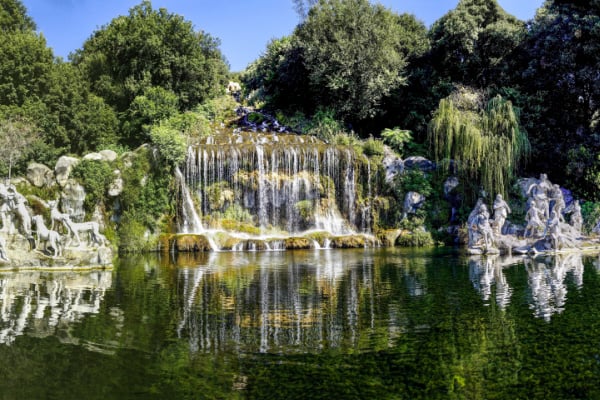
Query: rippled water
[374, 323]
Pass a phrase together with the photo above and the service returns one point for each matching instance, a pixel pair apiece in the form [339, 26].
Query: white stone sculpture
[3, 255]
[46, 236]
[576, 218]
[501, 211]
[90, 227]
[535, 225]
[539, 194]
[14, 209]
[481, 235]
[558, 202]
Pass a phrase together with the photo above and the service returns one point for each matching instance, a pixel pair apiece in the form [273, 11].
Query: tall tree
[561, 79]
[352, 52]
[13, 17]
[472, 44]
[152, 48]
[486, 143]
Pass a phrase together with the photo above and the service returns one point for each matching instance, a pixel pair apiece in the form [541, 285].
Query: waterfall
[273, 185]
[191, 222]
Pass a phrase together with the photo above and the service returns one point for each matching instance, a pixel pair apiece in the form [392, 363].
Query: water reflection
[271, 301]
[40, 303]
[547, 280]
[486, 274]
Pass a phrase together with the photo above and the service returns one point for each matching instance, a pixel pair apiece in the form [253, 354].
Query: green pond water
[325, 324]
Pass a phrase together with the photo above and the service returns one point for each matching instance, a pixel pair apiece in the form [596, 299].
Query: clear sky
[243, 26]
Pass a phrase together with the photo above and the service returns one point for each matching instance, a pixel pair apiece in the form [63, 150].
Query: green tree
[560, 80]
[279, 77]
[13, 17]
[152, 48]
[152, 106]
[170, 144]
[472, 44]
[16, 137]
[486, 143]
[352, 52]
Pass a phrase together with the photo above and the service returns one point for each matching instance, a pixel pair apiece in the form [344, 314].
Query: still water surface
[341, 324]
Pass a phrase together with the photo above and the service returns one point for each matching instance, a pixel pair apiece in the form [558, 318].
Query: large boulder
[116, 186]
[412, 202]
[63, 169]
[108, 155]
[72, 198]
[420, 163]
[93, 157]
[40, 175]
[393, 165]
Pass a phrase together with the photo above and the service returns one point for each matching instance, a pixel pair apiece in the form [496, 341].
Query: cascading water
[268, 185]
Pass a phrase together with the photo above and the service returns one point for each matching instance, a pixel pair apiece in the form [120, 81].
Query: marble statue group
[546, 226]
[17, 220]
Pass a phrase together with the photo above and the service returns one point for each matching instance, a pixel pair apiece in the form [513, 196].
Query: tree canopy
[152, 48]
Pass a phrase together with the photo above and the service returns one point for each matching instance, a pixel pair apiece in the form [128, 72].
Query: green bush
[95, 177]
[397, 138]
[416, 238]
[373, 147]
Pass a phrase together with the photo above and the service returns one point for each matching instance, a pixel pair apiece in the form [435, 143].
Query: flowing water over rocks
[273, 191]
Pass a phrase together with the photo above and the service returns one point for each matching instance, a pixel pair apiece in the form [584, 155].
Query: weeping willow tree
[486, 145]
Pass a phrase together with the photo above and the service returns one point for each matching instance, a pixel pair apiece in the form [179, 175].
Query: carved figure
[576, 218]
[56, 217]
[14, 206]
[534, 221]
[3, 255]
[501, 211]
[539, 193]
[553, 229]
[47, 236]
[558, 202]
[92, 228]
[471, 223]
[482, 224]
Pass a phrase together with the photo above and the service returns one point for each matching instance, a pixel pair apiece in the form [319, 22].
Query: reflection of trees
[43, 302]
[547, 282]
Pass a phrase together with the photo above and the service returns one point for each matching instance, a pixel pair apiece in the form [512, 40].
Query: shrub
[95, 177]
[373, 147]
[397, 138]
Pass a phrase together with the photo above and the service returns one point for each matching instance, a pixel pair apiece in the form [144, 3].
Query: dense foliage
[149, 49]
[347, 55]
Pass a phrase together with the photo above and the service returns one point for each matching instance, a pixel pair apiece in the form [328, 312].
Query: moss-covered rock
[348, 242]
[388, 237]
[184, 243]
[298, 243]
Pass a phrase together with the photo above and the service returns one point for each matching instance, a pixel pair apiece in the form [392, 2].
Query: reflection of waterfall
[283, 182]
[547, 282]
[306, 301]
[486, 275]
[42, 301]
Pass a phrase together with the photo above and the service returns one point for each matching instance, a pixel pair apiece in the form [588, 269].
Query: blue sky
[243, 26]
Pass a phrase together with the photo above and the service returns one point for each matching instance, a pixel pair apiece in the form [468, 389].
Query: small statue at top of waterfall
[501, 211]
